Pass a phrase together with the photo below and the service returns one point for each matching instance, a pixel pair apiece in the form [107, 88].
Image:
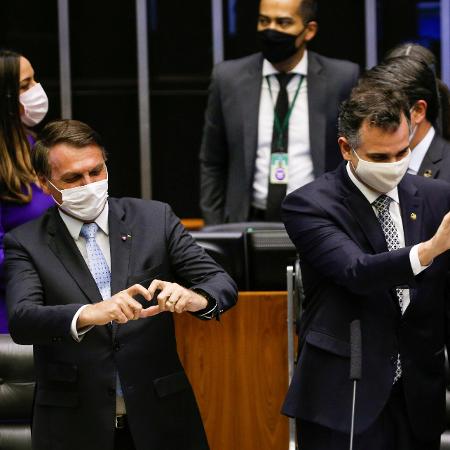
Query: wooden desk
[239, 371]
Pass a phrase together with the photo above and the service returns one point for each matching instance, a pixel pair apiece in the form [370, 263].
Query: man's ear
[345, 148]
[311, 31]
[419, 111]
[44, 185]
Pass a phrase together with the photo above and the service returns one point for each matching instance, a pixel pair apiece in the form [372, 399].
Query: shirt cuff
[78, 334]
[415, 262]
[211, 309]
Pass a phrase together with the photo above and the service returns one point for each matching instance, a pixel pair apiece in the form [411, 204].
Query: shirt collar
[368, 193]
[301, 68]
[420, 150]
[74, 225]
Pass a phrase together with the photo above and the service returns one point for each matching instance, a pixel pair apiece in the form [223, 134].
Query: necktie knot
[89, 230]
[284, 78]
[382, 203]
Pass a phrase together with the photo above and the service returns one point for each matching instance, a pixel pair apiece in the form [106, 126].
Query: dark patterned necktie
[382, 204]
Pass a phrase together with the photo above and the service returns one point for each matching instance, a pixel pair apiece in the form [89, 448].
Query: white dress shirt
[394, 210]
[419, 152]
[300, 168]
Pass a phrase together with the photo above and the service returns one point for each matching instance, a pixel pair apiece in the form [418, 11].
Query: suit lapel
[317, 88]
[63, 246]
[432, 161]
[361, 210]
[249, 97]
[411, 211]
[120, 244]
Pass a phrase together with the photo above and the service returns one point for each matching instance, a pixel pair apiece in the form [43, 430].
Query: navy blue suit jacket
[349, 274]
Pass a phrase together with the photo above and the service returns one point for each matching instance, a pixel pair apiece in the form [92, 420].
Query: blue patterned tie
[99, 270]
[382, 204]
[96, 260]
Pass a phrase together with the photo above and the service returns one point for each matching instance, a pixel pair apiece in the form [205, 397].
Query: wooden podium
[238, 368]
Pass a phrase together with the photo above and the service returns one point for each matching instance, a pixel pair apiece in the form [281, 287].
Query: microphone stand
[355, 367]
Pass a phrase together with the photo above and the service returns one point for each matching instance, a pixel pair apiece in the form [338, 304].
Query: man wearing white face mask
[430, 152]
[81, 283]
[373, 244]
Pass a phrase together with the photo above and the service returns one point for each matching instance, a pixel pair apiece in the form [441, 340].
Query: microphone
[355, 350]
[355, 367]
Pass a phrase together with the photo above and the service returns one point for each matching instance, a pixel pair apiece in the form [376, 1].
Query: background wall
[103, 53]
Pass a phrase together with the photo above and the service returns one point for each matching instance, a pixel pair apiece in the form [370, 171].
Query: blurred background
[138, 71]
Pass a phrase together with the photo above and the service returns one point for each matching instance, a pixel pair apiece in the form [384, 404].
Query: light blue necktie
[96, 260]
[99, 269]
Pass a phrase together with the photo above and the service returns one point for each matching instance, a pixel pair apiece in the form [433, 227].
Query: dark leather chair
[16, 394]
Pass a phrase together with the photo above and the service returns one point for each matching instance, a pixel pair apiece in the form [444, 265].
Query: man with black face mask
[271, 118]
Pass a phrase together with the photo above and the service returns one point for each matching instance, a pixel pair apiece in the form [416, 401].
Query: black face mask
[277, 46]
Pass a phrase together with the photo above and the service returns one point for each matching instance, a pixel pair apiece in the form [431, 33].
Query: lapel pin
[428, 173]
[413, 216]
[124, 237]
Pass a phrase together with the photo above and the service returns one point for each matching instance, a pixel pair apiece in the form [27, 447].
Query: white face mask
[35, 105]
[382, 177]
[84, 202]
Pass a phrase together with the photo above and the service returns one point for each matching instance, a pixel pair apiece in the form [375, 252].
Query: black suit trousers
[391, 431]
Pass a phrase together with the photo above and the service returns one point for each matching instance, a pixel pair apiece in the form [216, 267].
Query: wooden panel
[238, 369]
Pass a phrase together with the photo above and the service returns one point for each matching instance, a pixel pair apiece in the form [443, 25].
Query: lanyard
[281, 127]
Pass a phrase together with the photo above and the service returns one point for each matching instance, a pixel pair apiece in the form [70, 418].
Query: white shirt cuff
[78, 334]
[415, 262]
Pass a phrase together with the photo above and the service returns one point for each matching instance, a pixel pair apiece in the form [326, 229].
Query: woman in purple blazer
[23, 104]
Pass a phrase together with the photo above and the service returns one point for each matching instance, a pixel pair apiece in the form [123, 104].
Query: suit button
[116, 346]
[111, 392]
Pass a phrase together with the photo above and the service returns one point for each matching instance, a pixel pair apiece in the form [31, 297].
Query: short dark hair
[70, 132]
[308, 10]
[413, 77]
[378, 107]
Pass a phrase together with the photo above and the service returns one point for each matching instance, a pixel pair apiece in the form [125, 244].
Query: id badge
[279, 168]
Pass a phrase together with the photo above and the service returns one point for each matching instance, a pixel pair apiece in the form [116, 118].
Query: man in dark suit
[430, 155]
[373, 246]
[80, 282]
[270, 124]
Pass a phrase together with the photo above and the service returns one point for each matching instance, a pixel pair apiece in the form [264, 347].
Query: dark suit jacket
[349, 274]
[48, 280]
[436, 163]
[230, 136]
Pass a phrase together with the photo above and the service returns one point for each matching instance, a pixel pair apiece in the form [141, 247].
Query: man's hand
[173, 298]
[120, 308]
[438, 244]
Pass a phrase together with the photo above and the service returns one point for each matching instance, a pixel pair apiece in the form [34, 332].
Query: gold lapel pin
[413, 216]
[428, 173]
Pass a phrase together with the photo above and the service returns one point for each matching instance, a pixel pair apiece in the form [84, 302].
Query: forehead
[65, 158]
[279, 8]
[378, 140]
[26, 70]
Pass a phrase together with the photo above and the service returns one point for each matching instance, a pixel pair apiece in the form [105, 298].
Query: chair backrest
[255, 254]
[17, 382]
